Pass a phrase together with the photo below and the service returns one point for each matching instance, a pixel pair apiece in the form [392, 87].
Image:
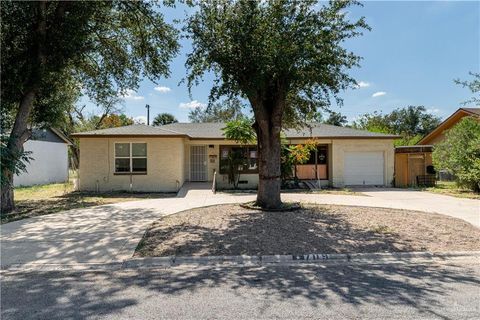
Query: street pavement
[435, 290]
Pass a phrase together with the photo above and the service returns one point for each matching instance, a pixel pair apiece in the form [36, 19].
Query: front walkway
[111, 233]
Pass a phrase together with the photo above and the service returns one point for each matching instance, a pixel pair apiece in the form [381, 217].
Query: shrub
[459, 153]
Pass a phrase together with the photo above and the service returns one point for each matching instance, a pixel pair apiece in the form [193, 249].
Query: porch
[206, 160]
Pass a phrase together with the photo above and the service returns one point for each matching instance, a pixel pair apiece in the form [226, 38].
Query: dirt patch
[233, 230]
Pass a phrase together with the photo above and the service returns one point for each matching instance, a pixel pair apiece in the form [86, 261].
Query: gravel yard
[233, 230]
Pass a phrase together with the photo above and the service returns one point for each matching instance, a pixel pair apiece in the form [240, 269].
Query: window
[322, 153]
[130, 157]
[248, 158]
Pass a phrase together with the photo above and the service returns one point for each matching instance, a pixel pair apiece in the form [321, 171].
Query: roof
[132, 130]
[212, 130]
[49, 135]
[449, 122]
[474, 111]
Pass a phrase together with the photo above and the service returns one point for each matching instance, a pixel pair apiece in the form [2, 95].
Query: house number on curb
[311, 257]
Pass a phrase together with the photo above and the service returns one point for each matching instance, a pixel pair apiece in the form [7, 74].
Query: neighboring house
[145, 158]
[49, 150]
[413, 164]
[438, 134]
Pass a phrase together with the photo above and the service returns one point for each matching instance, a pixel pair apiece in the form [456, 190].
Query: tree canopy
[285, 57]
[55, 48]
[412, 123]
[164, 118]
[459, 153]
[336, 119]
[474, 87]
[223, 111]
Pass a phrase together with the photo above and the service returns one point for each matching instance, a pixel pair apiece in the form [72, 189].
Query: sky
[411, 57]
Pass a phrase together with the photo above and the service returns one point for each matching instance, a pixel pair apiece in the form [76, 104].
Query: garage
[364, 168]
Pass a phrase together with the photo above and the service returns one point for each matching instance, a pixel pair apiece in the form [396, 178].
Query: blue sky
[411, 57]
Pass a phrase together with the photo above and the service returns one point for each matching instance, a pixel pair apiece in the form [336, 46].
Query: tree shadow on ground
[251, 232]
[420, 288]
[424, 289]
[74, 200]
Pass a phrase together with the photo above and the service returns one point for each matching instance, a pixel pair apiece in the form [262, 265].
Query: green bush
[459, 153]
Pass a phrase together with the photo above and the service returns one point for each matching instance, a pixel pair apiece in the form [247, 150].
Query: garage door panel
[363, 168]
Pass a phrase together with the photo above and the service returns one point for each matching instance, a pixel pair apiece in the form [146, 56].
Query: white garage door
[363, 168]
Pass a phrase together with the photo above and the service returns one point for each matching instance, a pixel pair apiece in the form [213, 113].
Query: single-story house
[161, 159]
[49, 152]
[438, 134]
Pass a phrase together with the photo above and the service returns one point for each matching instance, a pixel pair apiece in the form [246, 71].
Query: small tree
[240, 131]
[164, 118]
[293, 155]
[459, 153]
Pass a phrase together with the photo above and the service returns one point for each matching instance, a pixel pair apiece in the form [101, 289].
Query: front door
[198, 163]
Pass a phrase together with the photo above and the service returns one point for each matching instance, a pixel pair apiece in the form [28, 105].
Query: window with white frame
[130, 157]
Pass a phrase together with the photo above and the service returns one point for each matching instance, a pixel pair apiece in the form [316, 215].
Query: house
[49, 152]
[146, 158]
[438, 133]
[413, 164]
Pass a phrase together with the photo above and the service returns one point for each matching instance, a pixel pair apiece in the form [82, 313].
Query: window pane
[139, 165]
[122, 165]
[139, 149]
[122, 149]
[252, 164]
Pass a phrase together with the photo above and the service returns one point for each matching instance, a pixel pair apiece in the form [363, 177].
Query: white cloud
[378, 94]
[140, 120]
[162, 89]
[363, 84]
[131, 95]
[192, 105]
[433, 110]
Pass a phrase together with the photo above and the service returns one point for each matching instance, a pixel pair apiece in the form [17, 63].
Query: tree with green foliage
[48, 48]
[163, 119]
[459, 153]
[285, 57]
[473, 86]
[411, 123]
[240, 131]
[223, 111]
[336, 119]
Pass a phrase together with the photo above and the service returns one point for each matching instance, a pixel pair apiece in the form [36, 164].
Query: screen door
[198, 163]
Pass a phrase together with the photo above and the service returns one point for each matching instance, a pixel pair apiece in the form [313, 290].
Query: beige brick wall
[340, 146]
[165, 165]
[168, 163]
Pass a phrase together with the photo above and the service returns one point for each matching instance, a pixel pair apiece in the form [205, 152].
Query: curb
[369, 258]
[246, 261]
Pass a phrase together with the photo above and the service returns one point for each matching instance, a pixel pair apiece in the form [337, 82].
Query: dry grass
[51, 198]
[450, 188]
[232, 230]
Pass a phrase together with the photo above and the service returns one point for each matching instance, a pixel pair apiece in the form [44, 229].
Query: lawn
[450, 188]
[233, 230]
[51, 198]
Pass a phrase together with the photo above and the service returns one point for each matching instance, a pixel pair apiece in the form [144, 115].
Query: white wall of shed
[49, 164]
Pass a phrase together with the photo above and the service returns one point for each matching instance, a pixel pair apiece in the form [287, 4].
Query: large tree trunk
[18, 136]
[20, 132]
[268, 125]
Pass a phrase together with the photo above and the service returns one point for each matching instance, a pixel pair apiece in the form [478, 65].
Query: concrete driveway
[110, 233]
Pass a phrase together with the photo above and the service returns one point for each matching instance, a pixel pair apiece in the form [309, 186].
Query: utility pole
[148, 114]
